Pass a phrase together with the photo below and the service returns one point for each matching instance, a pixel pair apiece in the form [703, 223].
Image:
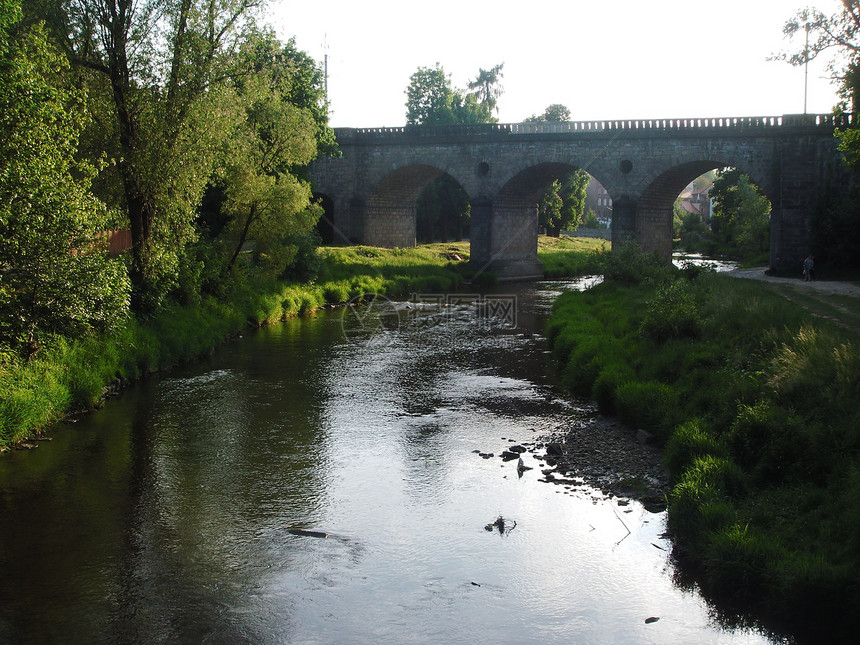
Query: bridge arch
[654, 207]
[389, 217]
[505, 228]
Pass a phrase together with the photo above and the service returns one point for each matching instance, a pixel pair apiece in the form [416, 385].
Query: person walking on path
[809, 268]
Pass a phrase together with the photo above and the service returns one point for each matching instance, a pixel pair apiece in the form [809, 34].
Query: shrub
[628, 264]
[712, 477]
[738, 561]
[815, 368]
[579, 374]
[705, 491]
[672, 313]
[649, 405]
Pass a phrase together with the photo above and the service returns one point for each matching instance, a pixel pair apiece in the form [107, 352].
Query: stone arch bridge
[370, 191]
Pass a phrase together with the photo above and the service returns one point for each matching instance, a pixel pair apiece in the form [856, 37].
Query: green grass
[754, 399]
[566, 256]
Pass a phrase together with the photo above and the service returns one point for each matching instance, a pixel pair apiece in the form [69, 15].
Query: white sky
[603, 59]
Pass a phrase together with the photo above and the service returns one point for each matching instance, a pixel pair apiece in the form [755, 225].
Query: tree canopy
[554, 113]
[176, 93]
[740, 223]
[487, 87]
[54, 273]
[431, 99]
[562, 205]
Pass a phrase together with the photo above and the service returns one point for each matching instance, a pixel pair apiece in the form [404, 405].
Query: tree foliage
[431, 99]
[562, 205]
[487, 87]
[740, 223]
[554, 113]
[838, 34]
[55, 275]
[265, 200]
[162, 64]
[190, 99]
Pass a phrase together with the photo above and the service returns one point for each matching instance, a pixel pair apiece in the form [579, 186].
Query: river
[166, 516]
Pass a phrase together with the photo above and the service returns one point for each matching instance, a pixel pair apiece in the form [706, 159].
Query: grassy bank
[67, 377]
[754, 399]
[566, 256]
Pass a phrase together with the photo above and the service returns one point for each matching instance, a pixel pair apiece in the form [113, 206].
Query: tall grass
[754, 400]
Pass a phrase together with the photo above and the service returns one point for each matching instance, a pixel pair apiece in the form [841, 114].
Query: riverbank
[70, 377]
[754, 400]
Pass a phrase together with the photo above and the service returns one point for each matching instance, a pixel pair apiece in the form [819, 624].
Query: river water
[166, 517]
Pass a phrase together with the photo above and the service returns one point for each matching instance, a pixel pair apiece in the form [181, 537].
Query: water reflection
[697, 259]
[166, 517]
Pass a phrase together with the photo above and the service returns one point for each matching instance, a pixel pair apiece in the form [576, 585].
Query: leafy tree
[433, 100]
[553, 114]
[740, 223]
[550, 209]
[590, 219]
[298, 79]
[55, 277]
[562, 204]
[430, 97]
[573, 195]
[264, 199]
[689, 229]
[487, 87]
[162, 64]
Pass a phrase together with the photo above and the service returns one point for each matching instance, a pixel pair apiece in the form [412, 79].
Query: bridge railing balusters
[833, 121]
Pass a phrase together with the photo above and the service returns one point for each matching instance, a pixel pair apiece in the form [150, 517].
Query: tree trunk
[242, 238]
[140, 214]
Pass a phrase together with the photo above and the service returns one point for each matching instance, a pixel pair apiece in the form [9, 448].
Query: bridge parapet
[630, 126]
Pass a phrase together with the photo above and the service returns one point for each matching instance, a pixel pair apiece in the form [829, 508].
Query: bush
[672, 313]
[705, 492]
[739, 560]
[628, 264]
[649, 405]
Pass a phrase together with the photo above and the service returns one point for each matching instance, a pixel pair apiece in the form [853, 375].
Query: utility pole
[806, 69]
[325, 64]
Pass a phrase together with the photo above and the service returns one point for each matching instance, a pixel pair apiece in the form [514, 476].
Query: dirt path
[826, 287]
